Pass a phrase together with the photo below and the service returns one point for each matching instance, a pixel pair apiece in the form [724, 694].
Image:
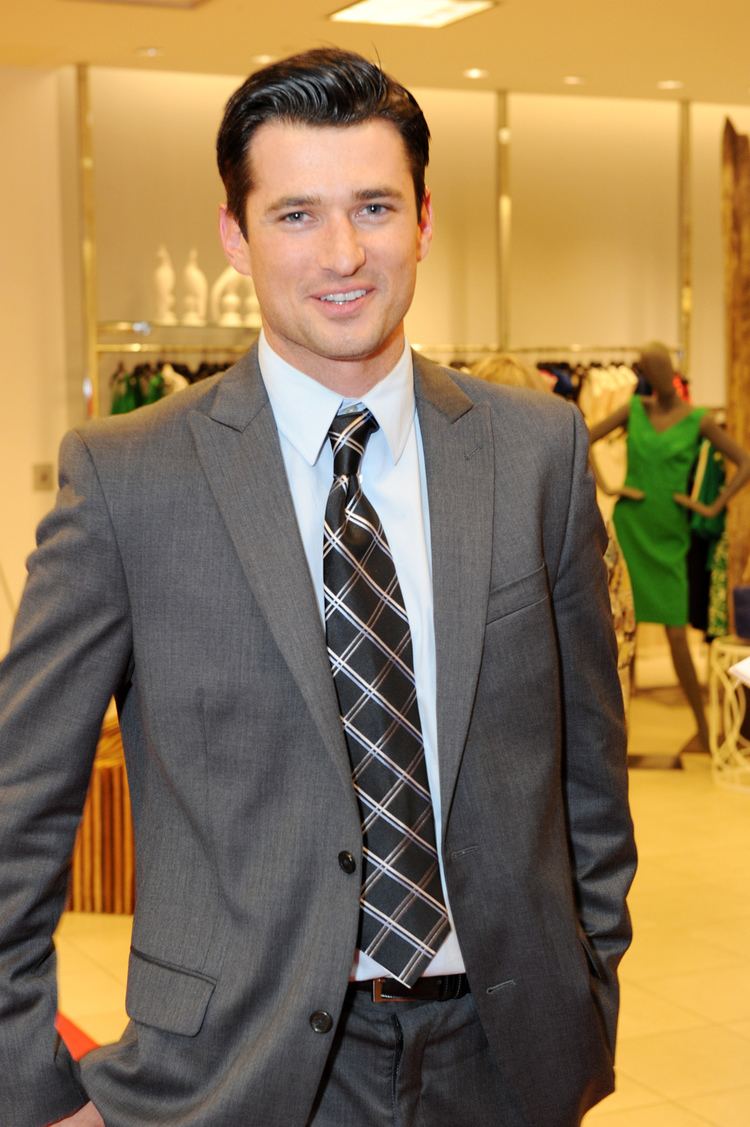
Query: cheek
[279, 267]
[405, 272]
[270, 276]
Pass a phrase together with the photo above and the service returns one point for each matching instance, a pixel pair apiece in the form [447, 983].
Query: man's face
[333, 242]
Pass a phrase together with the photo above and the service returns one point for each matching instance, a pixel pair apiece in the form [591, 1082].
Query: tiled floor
[684, 1046]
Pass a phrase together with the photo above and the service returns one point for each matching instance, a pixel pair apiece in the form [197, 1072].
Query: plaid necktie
[403, 919]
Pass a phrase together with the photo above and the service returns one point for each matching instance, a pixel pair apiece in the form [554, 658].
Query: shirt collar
[303, 408]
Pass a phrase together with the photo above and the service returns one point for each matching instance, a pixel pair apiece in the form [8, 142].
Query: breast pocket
[518, 594]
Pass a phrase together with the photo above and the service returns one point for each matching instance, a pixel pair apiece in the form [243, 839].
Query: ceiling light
[263, 60]
[411, 13]
[574, 80]
[475, 72]
[149, 52]
[670, 84]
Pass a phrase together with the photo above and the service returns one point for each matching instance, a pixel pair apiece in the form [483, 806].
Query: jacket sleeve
[69, 649]
[600, 830]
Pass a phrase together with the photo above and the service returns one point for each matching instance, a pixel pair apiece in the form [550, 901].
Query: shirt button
[347, 862]
[321, 1022]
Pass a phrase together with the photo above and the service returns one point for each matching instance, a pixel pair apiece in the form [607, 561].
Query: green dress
[654, 533]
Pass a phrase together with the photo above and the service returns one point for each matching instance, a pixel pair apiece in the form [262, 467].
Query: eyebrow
[379, 193]
[294, 202]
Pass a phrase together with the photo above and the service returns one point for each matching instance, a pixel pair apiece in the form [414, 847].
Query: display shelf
[151, 337]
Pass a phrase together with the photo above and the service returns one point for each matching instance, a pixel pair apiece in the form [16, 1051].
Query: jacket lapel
[238, 447]
[459, 460]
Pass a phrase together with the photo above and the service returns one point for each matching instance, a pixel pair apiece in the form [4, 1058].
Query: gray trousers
[412, 1064]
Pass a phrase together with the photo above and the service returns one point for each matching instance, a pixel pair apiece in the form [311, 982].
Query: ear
[424, 226]
[234, 242]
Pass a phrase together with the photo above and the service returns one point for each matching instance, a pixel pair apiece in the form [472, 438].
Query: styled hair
[320, 87]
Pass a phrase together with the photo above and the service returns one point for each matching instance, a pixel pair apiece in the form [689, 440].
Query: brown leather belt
[439, 988]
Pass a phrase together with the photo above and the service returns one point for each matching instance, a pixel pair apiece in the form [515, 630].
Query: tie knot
[348, 435]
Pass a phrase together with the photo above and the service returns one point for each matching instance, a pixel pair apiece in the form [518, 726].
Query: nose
[342, 250]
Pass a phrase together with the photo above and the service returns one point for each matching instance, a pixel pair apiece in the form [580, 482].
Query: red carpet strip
[77, 1041]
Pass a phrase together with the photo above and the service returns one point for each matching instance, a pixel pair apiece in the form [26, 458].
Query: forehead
[281, 150]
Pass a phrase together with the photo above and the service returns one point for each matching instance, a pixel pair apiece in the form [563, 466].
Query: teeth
[342, 298]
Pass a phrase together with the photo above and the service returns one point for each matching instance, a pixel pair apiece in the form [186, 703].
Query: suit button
[321, 1022]
[347, 862]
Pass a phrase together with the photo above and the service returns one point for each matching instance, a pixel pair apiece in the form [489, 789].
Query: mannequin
[651, 515]
[226, 300]
[164, 288]
[196, 291]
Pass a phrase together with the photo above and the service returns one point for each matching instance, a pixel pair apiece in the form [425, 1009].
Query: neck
[666, 398]
[351, 377]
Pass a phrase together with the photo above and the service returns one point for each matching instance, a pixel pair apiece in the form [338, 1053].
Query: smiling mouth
[343, 298]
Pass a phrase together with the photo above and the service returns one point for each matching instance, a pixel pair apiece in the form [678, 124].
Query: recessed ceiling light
[149, 52]
[411, 13]
[263, 60]
[475, 72]
[670, 84]
[574, 80]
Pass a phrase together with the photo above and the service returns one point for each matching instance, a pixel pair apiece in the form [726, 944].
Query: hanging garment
[718, 601]
[706, 533]
[654, 533]
[623, 614]
[153, 390]
[126, 392]
[605, 390]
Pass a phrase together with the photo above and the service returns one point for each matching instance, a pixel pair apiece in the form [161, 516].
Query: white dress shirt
[393, 480]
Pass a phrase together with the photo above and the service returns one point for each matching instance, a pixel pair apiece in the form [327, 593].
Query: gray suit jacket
[171, 572]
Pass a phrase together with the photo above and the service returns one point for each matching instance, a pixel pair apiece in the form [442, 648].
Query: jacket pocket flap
[517, 594]
[165, 996]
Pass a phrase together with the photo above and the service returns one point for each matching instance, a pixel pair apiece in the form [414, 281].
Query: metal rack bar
[567, 349]
[168, 350]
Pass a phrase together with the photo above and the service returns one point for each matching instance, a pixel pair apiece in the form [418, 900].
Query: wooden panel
[103, 867]
[736, 223]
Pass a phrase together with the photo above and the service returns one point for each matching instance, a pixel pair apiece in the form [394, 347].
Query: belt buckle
[378, 994]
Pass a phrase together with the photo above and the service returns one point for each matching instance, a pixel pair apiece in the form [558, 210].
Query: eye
[375, 209]
[295, 217]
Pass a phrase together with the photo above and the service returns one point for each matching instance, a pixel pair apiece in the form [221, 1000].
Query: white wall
[594, 223]
[155, 180]
[34, 413]
[456, 298]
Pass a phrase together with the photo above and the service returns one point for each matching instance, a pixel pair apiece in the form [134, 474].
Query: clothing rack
[578, 349]
[173, 349]
[578, 352]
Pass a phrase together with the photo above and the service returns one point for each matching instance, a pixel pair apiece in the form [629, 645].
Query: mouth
[342, 298]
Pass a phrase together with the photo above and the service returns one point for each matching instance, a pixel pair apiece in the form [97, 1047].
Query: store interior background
[593, 182]
[593, 260]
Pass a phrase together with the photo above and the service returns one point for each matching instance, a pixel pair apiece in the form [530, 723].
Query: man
[367, 686]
